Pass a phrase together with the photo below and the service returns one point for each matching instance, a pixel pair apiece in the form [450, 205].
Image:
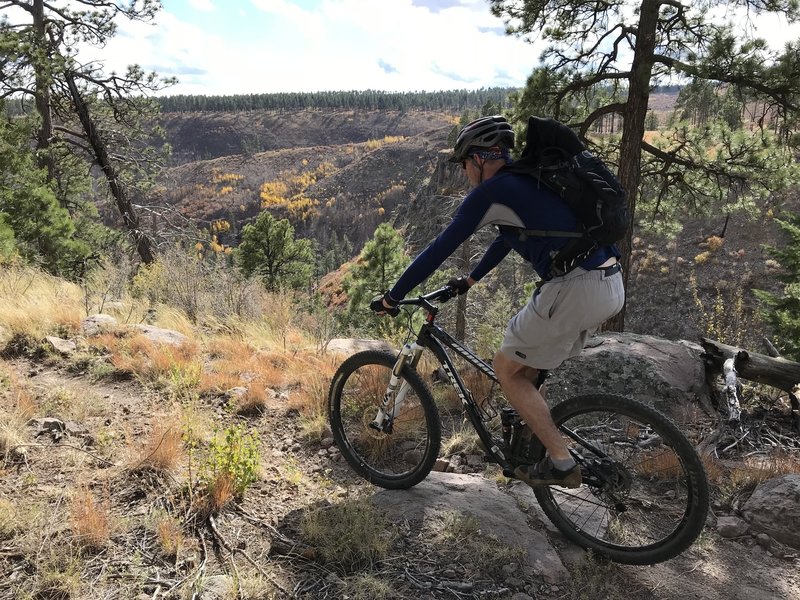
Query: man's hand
[382, 305]
[461, 284]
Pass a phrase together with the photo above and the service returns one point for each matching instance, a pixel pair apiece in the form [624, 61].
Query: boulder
[774, 509]
[731, 527]
[60, 345]
[659, 372]
[158, 335]
[96, 324]
[353, 345]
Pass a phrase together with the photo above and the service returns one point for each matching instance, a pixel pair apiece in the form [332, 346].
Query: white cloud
[302, 45]
[338, 44]
[202, 5]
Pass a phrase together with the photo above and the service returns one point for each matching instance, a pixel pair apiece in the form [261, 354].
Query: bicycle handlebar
[443, 294]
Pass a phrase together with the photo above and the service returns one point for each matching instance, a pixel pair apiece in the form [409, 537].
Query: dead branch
[233, 551]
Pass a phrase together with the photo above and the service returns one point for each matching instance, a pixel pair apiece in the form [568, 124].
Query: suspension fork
[397, 389]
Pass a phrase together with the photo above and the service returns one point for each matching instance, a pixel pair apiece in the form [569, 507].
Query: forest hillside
[337, 174]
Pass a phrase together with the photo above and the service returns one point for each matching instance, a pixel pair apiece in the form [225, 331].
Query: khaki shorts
[556, 322]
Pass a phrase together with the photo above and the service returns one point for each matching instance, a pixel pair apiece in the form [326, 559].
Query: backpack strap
[524, 234]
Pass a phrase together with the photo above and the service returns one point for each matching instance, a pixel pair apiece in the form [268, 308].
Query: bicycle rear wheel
[644, 497]
[394, 457]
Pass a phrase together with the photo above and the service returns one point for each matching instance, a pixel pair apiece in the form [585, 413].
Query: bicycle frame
[436, 339]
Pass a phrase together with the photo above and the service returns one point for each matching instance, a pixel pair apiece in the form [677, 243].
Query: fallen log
[777, 372]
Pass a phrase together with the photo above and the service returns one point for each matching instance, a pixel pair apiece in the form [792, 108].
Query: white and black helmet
[485, 132]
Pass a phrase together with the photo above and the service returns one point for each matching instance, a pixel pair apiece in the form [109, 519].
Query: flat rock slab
[497, 513]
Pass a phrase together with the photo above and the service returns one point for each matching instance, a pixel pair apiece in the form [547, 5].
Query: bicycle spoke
[638, 497]
[400, 447]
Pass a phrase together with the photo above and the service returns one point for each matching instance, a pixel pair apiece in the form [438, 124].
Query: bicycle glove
[378, 307]
[459, 284]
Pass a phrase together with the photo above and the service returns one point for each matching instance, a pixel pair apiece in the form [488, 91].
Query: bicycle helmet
[485, 132]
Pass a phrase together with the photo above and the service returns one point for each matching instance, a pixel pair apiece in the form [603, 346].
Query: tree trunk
[461, 301]
[98, 145]
[777, 372]
[630, 154]
[42, 94]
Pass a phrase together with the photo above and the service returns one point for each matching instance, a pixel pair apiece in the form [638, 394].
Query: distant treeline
[454, 100]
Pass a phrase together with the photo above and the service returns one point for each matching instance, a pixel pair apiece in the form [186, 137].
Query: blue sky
[258, 46]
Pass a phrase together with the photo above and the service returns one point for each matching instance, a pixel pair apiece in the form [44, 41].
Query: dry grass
[353, 535]
[464, 440]
[177, 368]
[169, 534]
[90, 519]
[163, 450]
[17, 406]
[217, 380]
[219, 492]
[230, 347]
[9, 519]
[35, 304]
[68, 403]
[662, 464]
[253, 401]
[11, 436]
[732, 482]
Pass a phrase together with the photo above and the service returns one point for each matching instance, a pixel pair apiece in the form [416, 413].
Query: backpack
[555, 156]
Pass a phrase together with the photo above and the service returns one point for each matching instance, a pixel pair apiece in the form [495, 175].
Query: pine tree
[32, 222]
[783, 311]
[380, 263]
[270, 251]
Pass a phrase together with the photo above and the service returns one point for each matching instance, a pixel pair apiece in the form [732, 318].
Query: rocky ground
[464, 534]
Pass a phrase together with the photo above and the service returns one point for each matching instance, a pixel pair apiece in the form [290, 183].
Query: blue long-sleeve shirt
[510, 201]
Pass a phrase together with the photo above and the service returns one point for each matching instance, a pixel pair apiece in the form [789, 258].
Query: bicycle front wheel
[644, 497]
[402, 452]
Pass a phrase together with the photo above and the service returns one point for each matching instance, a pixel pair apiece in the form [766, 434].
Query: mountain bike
[644, 496]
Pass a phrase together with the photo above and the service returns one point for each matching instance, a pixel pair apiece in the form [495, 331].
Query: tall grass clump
[34, 304]
[175, 367]
[352, 536]
[90, 519]
[163, 449]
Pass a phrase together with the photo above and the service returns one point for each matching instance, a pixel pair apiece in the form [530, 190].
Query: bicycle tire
[656, 495]
[398, 459]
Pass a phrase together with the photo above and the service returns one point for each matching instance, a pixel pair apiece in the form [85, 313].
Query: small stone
[474, 460]
[763, 540]
[731, 527]
[441, 465]
[52, 424]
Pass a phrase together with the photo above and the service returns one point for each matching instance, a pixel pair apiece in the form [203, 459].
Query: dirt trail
[106, 421]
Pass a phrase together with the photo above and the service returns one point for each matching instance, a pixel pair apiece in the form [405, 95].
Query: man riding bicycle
[562, 312]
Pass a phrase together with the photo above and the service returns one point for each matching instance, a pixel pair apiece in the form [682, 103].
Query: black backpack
[554, 155]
